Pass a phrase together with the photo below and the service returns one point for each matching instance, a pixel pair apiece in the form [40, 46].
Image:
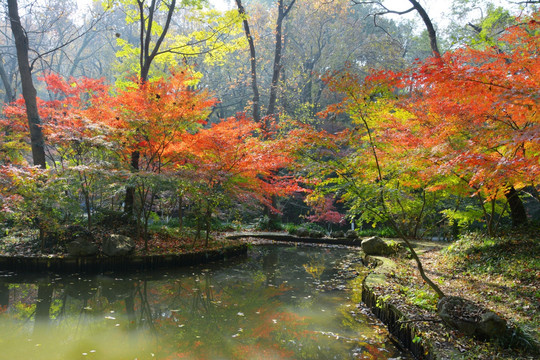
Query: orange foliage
[232, 156]
[478, 109]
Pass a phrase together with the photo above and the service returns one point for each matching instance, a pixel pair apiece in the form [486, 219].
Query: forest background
[172, 114]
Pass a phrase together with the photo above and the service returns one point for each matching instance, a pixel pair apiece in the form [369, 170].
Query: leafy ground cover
[502, 274]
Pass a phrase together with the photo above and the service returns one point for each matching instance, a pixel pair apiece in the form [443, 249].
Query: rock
[351, 234]
[81, 241]
[118, 245]
[301, 232]
[471, 319]
[81, 247]
[375, 246]
[338, 234]
[316, 234]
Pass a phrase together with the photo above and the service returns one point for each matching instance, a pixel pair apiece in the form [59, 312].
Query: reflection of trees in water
[43, 305]
[227, 314]
[315, 267]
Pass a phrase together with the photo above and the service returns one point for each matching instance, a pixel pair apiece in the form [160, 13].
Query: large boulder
[375, 246]
[471, 319]
[351, 234]
[81, 247]
[118, 245]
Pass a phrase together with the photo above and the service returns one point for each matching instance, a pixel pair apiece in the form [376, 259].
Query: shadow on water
[282, 302]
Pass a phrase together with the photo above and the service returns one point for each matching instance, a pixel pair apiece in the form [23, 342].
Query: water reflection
[280, 303]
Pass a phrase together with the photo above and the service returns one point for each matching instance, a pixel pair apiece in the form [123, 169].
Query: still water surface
[282, 302]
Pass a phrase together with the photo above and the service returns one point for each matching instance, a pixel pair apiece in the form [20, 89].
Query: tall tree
[149, 51]
[37, 140]
[253, 62]
[147, 15]
[10, 96]
[283, 11]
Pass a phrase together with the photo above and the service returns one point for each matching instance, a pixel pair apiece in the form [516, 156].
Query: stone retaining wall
[388, 313]
[296, 239]
[119, 263]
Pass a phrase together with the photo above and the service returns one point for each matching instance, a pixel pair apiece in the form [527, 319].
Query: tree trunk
[429, 27]
[282, 13]
[208, 225]
[29, 92]
[146, 57]
[253, 61]
[181, 212]
[517, 209]
[10, 95]
[130, 190]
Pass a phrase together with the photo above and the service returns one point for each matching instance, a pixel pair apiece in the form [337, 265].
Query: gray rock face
[375, 246]
[471, 319]
[118, 245]
[82, 247]
[351, 234]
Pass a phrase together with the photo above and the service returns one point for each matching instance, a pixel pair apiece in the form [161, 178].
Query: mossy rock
[471, 319]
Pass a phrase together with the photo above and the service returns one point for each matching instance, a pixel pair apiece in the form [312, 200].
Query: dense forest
[273, 113]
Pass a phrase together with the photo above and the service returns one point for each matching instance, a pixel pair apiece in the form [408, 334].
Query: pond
[281, 302]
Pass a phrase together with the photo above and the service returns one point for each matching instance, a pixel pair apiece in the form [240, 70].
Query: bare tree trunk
[10, 95]
[29, 91]
[283, 11]
[253, 60]
[429, 27]
[388, 214]
[416, 7]
[517, 209]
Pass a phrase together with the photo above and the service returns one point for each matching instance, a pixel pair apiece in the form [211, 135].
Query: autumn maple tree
[464, 124]
[76, 150]
[476, 111]
[235, 161]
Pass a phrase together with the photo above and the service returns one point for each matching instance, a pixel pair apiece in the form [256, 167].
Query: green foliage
[212, 36]
[520, 338]
[268, 223]
[423, 297]
[381, 231]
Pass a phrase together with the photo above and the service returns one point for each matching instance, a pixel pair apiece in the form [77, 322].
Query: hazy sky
[436, 6]
[438, 10]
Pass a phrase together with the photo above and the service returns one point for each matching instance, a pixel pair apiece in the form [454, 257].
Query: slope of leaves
[476, 267]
